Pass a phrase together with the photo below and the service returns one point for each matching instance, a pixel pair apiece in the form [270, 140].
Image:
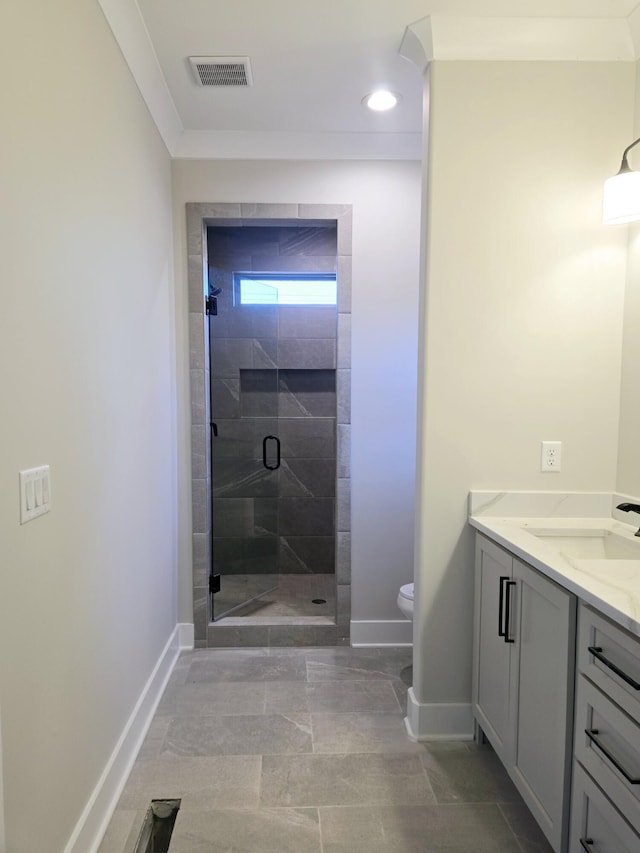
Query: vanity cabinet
[523, 680]
[605, 811]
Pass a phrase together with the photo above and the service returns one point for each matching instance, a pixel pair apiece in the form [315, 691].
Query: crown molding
[522, 39]
[634, 28]
[133, 39]
[130, 32]
[433, 37]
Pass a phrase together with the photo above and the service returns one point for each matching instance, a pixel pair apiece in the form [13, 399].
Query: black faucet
[630, 508]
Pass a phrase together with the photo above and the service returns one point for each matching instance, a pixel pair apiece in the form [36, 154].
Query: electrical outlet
[550, 456]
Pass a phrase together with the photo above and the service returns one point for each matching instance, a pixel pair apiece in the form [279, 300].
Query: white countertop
[612, 586]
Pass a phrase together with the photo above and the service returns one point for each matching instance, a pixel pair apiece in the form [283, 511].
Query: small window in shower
[279, 289]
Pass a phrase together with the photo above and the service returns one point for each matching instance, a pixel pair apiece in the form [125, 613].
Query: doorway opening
[272, 370]
[270, 377]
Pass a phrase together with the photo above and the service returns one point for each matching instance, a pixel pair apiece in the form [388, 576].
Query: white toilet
[405, 600]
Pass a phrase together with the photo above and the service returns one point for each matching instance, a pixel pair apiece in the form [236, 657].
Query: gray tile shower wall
[273, 362]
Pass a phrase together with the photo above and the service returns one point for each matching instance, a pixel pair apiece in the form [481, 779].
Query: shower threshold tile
[245, 621]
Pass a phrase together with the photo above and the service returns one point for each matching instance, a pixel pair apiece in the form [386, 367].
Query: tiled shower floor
[305, 751]
[293, 596]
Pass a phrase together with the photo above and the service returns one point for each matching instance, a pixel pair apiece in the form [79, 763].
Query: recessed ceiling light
[381, 100]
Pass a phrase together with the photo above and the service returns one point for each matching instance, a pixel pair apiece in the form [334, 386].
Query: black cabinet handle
[266, 439]
[501, 631]
[507, 611]
[596, 651]
[586, 843]
[592, 734]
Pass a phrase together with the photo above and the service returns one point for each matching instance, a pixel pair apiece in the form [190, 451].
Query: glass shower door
[245, 453]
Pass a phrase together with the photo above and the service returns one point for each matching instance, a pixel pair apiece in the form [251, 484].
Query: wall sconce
[621, 199]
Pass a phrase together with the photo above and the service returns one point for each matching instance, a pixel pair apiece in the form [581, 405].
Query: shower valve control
[550, 456]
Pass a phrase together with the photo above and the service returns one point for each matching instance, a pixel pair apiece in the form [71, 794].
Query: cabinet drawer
[607, 744]
[614, 660]
[596, 826]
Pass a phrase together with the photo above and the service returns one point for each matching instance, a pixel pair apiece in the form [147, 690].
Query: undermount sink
[589, 543]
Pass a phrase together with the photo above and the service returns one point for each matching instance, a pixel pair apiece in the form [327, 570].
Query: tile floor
[305, 751]
[291, 596]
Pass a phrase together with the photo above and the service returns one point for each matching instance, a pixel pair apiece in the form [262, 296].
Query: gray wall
[523, 316]
[87, 371]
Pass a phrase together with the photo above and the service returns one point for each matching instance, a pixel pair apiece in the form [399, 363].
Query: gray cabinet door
[542, 677]
[523, 680]
[491, 694]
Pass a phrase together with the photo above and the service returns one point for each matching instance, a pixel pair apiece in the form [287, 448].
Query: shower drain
[319, 601]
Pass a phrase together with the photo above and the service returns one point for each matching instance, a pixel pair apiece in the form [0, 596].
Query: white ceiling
[312, 62]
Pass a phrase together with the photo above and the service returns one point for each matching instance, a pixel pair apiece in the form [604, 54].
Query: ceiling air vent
[221, 70]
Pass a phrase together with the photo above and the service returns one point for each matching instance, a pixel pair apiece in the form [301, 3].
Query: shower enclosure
[272, 326]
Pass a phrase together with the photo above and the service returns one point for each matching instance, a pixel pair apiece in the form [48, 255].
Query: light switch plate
[35, 493]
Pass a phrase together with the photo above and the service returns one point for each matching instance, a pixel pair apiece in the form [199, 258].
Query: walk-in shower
[277, 536]
[272, 326]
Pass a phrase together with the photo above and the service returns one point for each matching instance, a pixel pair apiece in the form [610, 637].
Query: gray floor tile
[325, 780]
[416, 829]
[328, 697]
[248, 735]
[152, 744]
[122, 832]
[462, 775]
[401, 690]
[339, 664]
[525, 828]
[251, 780]
[207, 698]
[201, 783]
[264, 831]
[376, 732]
[248, 668]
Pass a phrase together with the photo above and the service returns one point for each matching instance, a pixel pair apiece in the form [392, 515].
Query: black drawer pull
[596, 651]
[586, 843]
[507, 612]
[592, 734]
[501, 631]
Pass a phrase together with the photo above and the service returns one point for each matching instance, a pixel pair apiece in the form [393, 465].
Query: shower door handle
[266, 439]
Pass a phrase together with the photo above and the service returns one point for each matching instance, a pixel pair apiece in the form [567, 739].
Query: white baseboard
[382, 632]
[186, 635]
[95, 818]
[430, 721]
[3, 847]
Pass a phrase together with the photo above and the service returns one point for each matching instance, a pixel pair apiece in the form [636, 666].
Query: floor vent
[157, 828]
[221, 70]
